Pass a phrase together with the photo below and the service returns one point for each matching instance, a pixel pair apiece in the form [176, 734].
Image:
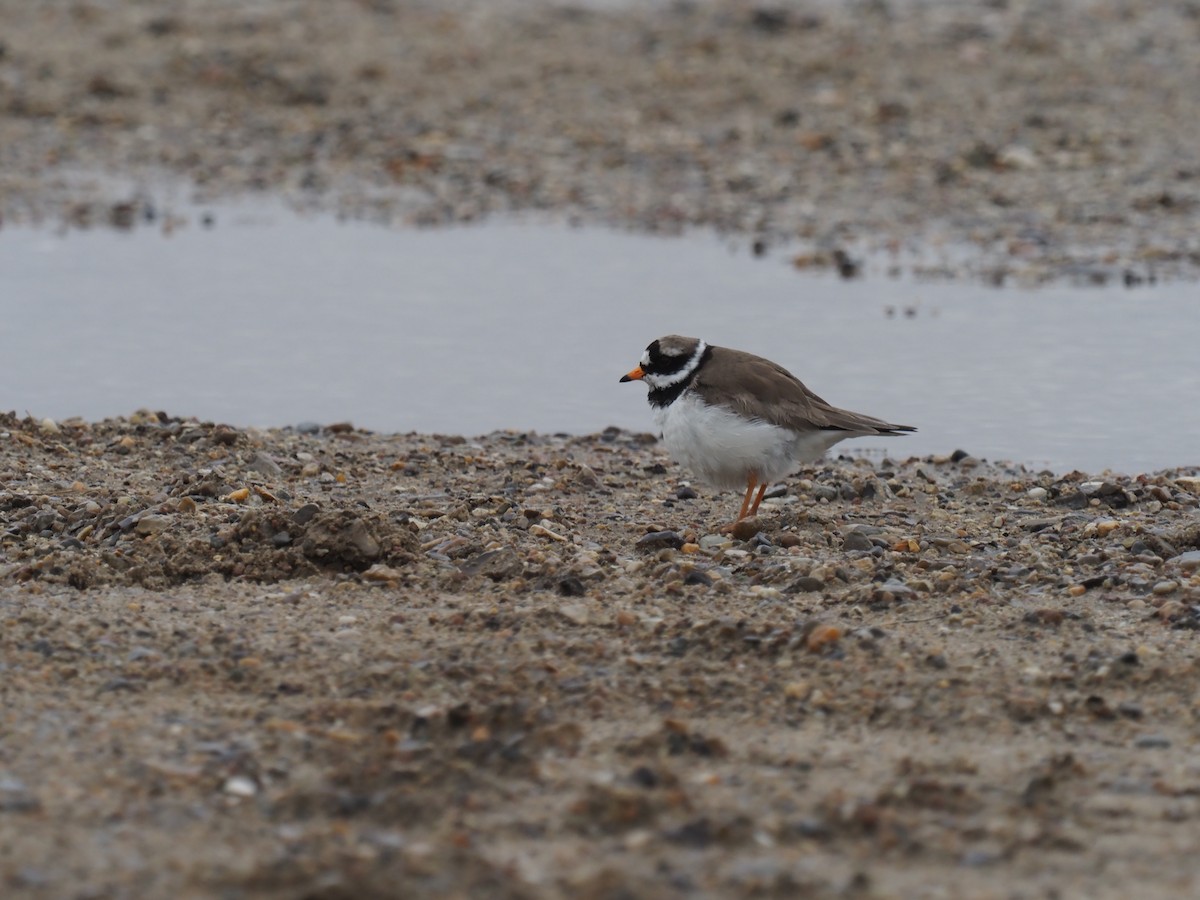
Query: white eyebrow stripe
[665, 381]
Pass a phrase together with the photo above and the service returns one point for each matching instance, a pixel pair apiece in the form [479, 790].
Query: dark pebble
[571, 587]
[697, 577]
[824, 492]
[308, 428]
[856, 540]
[806, 583]
[1130, 710]
[1152, 742]
[657, 540]
[686, 492]
[644, 776]
[304, 514]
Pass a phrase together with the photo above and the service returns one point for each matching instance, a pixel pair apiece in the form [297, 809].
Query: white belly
[722, 448]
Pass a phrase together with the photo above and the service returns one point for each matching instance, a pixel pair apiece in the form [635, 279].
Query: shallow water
[271, 319]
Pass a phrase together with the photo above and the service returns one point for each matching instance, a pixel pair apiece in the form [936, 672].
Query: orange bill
[636, 375]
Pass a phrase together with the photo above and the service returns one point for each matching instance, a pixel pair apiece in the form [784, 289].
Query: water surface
[271, 319]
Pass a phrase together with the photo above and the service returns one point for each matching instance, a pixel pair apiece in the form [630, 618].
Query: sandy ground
[334, 664]
[247, 664]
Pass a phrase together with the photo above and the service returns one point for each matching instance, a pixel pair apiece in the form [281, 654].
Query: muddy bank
[1003, 141]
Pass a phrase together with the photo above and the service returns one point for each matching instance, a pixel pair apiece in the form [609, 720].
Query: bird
[738, 420]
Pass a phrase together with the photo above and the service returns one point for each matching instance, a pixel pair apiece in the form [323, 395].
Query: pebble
[1037, 494]
[305, 513]
[240, 786]
[1189, 561]
[746, 529]
[263, 464]
[543, 531]
[856, 541]
[1166, 587]
[153, 524]
[658, 540]
[1151, 742]
[575, 613]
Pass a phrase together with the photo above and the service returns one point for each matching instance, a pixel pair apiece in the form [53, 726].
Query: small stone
[746, 529]
[1037, 494]
[658, 540]
[686, 492]
[1189, 561]
[822, 636]
[240, 786]
[1152, 742]
[856, 541]
[48, 426]
[892, 591]
[263, 464]
[241, 495]
[224, 434]
[575, 613]
[825, 492]
[496, 565]
[1166, 587]
[308, 428]
[543, 531]
[1189, 483]
[571, 586]
[1077, 590]
[711, 542]
[787, 540]
[152, 524]
[797, 690]
[380, 573]
[806, 584]
[304, 514]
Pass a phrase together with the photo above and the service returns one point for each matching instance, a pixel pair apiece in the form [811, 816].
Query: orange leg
[751, 484]
[762, 489]
[747, 510]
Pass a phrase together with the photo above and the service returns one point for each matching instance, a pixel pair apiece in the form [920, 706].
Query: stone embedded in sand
[746, 529]
[659, 540]
[497, 565]
[152, 524]
[1189, 483]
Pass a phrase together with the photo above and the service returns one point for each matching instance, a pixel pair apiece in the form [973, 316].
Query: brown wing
[761, 389]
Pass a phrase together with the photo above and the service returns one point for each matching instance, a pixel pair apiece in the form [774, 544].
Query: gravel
[516, 665]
